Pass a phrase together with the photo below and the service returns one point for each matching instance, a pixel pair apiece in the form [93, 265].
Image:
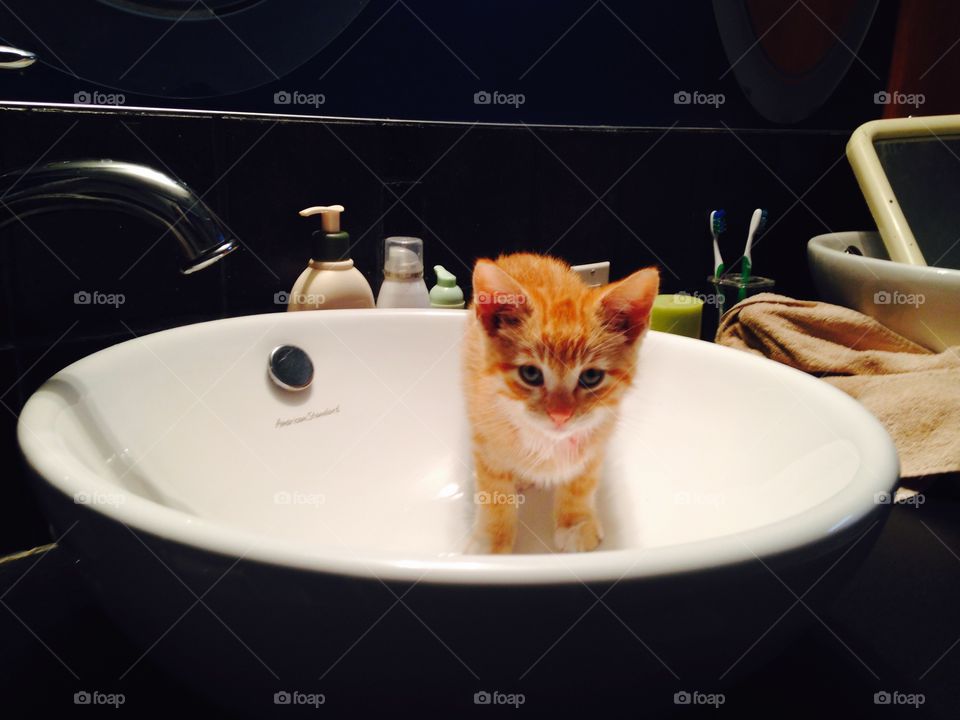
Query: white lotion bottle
[330, 282]
[403, 285]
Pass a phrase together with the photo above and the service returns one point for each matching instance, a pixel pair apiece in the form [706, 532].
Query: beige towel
[914, 392]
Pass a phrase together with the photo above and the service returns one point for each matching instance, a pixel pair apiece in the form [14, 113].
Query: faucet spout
[128, 187]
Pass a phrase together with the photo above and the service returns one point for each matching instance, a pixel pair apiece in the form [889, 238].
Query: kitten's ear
[498, 299]
[625, 306]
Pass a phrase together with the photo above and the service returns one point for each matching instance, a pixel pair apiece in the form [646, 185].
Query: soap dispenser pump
[446, 293]
[330, 281]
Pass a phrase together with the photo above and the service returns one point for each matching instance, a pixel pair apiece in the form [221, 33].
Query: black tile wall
[6, 299]
[278, 169]
[21, 523]
[632, 196]
[94, 251]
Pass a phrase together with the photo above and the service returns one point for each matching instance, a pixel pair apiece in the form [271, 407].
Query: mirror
[179, 50]
[739, 63]
[909, 172]
[924, 173]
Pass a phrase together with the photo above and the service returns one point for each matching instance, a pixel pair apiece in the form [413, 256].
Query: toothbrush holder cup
[730, 289]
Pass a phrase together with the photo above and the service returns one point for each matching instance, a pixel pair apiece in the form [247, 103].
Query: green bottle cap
[445, 294]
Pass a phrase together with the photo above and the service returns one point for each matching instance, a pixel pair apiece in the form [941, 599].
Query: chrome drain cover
[290, 368]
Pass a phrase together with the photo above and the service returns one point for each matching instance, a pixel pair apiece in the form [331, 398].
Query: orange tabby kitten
[547, 360]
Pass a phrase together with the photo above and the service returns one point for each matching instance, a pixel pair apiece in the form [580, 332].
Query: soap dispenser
[446, 293]
[403, 285]
[330, 281]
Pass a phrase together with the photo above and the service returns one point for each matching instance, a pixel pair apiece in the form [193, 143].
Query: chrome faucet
[12, 58]
[135, 189]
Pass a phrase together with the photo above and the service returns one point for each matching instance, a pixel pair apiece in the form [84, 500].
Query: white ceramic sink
[180, 442]
[921, 303]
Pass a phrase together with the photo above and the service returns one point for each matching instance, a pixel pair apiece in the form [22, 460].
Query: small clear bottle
[403, 285]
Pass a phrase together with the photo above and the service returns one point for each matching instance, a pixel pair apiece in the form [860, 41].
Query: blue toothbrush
[718, 224]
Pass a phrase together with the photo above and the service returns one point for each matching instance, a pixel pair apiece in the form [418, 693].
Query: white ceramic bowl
[919, 302]
[175, 463]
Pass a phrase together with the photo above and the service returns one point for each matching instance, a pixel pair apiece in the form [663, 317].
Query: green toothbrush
[757, 222]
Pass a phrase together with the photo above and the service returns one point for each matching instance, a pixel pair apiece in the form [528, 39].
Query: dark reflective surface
[775, 63]
[924, 173]
[171, 49]
[127, 187]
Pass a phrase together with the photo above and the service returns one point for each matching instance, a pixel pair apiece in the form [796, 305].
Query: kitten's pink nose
[560, 417]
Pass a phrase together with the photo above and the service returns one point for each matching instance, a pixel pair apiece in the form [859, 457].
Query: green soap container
[446, 293]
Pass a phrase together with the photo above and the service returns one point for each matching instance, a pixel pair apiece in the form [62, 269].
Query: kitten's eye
[531, 375]
[590, 378]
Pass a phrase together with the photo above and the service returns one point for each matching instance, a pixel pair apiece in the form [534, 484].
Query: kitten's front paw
[582, 537]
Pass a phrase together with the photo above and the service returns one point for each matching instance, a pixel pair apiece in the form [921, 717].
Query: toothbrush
[718, 224]
[757, 223]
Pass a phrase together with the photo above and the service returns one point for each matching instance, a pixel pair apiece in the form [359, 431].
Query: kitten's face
[563, 354]
[561, 384]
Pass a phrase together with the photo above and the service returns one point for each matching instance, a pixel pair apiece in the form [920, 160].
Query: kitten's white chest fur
[552, 460]
[552, 457]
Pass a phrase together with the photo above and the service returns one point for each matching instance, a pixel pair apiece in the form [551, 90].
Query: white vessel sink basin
[171, 461]
[920, 302]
